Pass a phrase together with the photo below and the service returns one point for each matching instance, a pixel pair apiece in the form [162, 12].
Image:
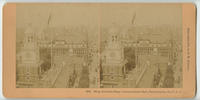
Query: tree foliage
[129, 54]
[45, 56]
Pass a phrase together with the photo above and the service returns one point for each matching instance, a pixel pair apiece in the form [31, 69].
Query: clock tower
[112, 61]
[28, 69]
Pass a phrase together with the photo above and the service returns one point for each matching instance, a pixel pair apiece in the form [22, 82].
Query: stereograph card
[101, 50]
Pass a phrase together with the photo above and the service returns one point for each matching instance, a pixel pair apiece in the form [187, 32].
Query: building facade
[28, 65]
[112, 62]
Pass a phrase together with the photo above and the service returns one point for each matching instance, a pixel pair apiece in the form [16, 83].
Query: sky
[93, 15]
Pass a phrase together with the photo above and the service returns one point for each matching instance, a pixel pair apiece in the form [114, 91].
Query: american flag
[49, 19]
[133, 18]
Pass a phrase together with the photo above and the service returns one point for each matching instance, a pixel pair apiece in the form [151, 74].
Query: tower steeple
[113, 60]
[28, 68]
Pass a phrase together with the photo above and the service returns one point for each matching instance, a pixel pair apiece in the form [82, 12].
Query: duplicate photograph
[141, 46]
[57, 46]
[98, 46]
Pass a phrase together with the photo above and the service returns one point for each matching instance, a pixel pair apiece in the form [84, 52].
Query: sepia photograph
[141, 46]
[57, 46]
[99, 46]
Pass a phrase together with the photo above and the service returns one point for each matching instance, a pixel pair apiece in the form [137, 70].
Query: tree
[129, 54]
[45, 56]
[45, 66]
